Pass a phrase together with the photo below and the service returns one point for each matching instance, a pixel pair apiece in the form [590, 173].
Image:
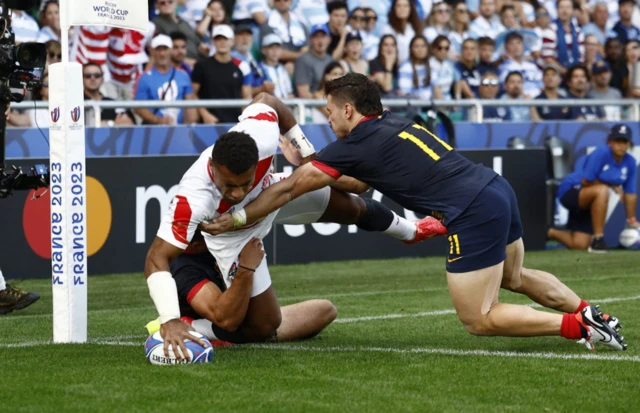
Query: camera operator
[11, 297]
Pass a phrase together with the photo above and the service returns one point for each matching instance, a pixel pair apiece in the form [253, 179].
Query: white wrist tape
[164, 294]
[299, 141]
[239, 218]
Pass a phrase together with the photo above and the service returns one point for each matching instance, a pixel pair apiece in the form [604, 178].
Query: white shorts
[226, 248]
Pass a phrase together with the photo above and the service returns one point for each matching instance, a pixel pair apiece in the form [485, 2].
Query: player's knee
[266, 328]
[581, 243]
[476, 325]
[602, 192]
[328, 310]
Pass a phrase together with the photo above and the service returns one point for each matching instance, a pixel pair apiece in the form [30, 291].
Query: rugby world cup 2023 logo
[55, 115]
[75, 117]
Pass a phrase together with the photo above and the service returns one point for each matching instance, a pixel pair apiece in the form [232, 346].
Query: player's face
[338, 118]
[234, 188]
[619, 147]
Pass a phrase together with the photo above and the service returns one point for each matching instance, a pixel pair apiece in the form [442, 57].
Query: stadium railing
[301, 105]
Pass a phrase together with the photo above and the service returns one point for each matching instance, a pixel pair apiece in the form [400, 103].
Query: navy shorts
[579, 219]
[478, 238]
[191, 272]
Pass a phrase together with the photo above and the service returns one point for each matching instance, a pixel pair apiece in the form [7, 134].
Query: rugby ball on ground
[630, 238]
[154, 351]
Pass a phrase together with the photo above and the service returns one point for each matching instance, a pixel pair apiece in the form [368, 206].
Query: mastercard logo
[36, 219]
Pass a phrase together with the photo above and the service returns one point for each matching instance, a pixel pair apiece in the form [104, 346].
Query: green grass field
[393, 348]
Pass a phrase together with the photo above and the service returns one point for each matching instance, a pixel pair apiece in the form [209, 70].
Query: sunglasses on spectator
[368, 18]
[490, 82]
[360, 18]
[542, 14]
[46, 84]
[165, 2]
[442, 11]
[93, 75]
[443, 48]
[462, 11]
[55, 55]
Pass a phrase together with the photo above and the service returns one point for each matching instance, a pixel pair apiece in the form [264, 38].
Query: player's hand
[269, 87]
[290, 152]
[174, 332]
[209, 119]
[122, 119]
[620, 192]
[252, 254]
[220, 225]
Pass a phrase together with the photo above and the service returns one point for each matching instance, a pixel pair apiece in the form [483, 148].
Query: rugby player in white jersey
[225, 178]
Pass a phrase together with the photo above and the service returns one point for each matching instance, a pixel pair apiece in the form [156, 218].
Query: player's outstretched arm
[304, 179]
[164, 294]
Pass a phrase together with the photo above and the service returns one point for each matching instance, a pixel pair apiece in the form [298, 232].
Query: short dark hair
[237, 151]
[572, 70]
[357, 90]
[486, 41]
[336, 5]
[90, 64]
[178, 36]
[513, 36]
[513, 73]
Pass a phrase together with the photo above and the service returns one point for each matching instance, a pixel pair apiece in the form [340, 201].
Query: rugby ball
[630, 238]
[154, 351]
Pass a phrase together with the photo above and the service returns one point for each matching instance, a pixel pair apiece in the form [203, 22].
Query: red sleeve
[327, 169]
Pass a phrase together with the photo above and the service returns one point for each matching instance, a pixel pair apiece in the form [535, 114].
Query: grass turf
[357, 365]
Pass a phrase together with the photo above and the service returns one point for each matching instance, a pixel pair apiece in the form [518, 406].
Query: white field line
[451, 352]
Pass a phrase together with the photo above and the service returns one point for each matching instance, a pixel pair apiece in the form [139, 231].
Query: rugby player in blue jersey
[424, 174]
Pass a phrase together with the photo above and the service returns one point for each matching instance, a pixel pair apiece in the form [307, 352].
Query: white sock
[3, 285]
[203, 326]
[401, 228]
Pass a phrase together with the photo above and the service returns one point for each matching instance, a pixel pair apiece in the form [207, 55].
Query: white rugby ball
[630, 238]
[154, 351]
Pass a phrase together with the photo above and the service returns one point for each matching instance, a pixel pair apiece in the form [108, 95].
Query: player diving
[479, 209]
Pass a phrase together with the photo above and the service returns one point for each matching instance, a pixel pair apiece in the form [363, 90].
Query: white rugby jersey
[198, 199]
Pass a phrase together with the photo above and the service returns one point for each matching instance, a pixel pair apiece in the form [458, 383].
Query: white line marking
[361, 294]
[451, 352]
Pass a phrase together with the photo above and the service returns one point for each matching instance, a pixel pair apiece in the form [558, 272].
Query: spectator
[551, 79]
[384, 68]
[585, 193]
[353, 61]
[624, 28]
[404, 25]
[243, 42]
[524, 11]
[513, 88]
[54, 52]
[370, 20]
[165, 83]
[251, 12]
[441, 67]
[486, 47]
[614, 55]
[24, 27]
[310, 66]
[542, 24]
[460, 30]
[414, 75]
[193, 11]
[600, 89]
[468, 76]
[598, 25]
[311, 12]
[168, 22]
[488, 22]
[488, 90]
[220, 77]
[438, 23]
[563, 41]
[515, 62]
[179, 53]
[631, 56]
[50, 20]
[289, 28]
[357, 22]
[93, 78]
[508, 17]
[592, 51]
[380, 9]
[337, 28]
[333, 71]
[578, 83]
[213, 16]
[274, 71]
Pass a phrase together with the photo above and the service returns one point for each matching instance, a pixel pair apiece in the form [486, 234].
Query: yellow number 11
[422, 145]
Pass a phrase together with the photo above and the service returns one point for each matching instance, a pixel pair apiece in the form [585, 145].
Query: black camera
[20, 68]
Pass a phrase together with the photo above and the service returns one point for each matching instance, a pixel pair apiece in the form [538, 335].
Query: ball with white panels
[630, 238]
[154, 351]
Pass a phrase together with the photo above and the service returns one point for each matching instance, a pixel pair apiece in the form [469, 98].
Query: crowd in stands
[426, 49]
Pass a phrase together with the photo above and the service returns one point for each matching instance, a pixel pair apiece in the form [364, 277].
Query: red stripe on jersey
[181, 219]
[261, 170]
[268, 116]
[327, 169]
[195, 289]
[236, 61]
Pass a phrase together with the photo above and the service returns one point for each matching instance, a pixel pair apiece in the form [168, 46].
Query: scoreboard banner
[127, 195]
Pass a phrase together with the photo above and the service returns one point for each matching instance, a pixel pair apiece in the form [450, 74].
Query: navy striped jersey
[408, 164]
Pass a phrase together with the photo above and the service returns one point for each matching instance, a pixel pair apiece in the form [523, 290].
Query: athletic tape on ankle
[299, 141]
[164, 293]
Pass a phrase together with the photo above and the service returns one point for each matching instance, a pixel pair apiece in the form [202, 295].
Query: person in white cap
[221, 77]
[273, 70]
[164, 82]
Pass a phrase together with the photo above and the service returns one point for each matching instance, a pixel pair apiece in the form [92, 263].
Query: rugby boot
[595, 330]
[598, 246]
[14, 298]
[427, 227]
